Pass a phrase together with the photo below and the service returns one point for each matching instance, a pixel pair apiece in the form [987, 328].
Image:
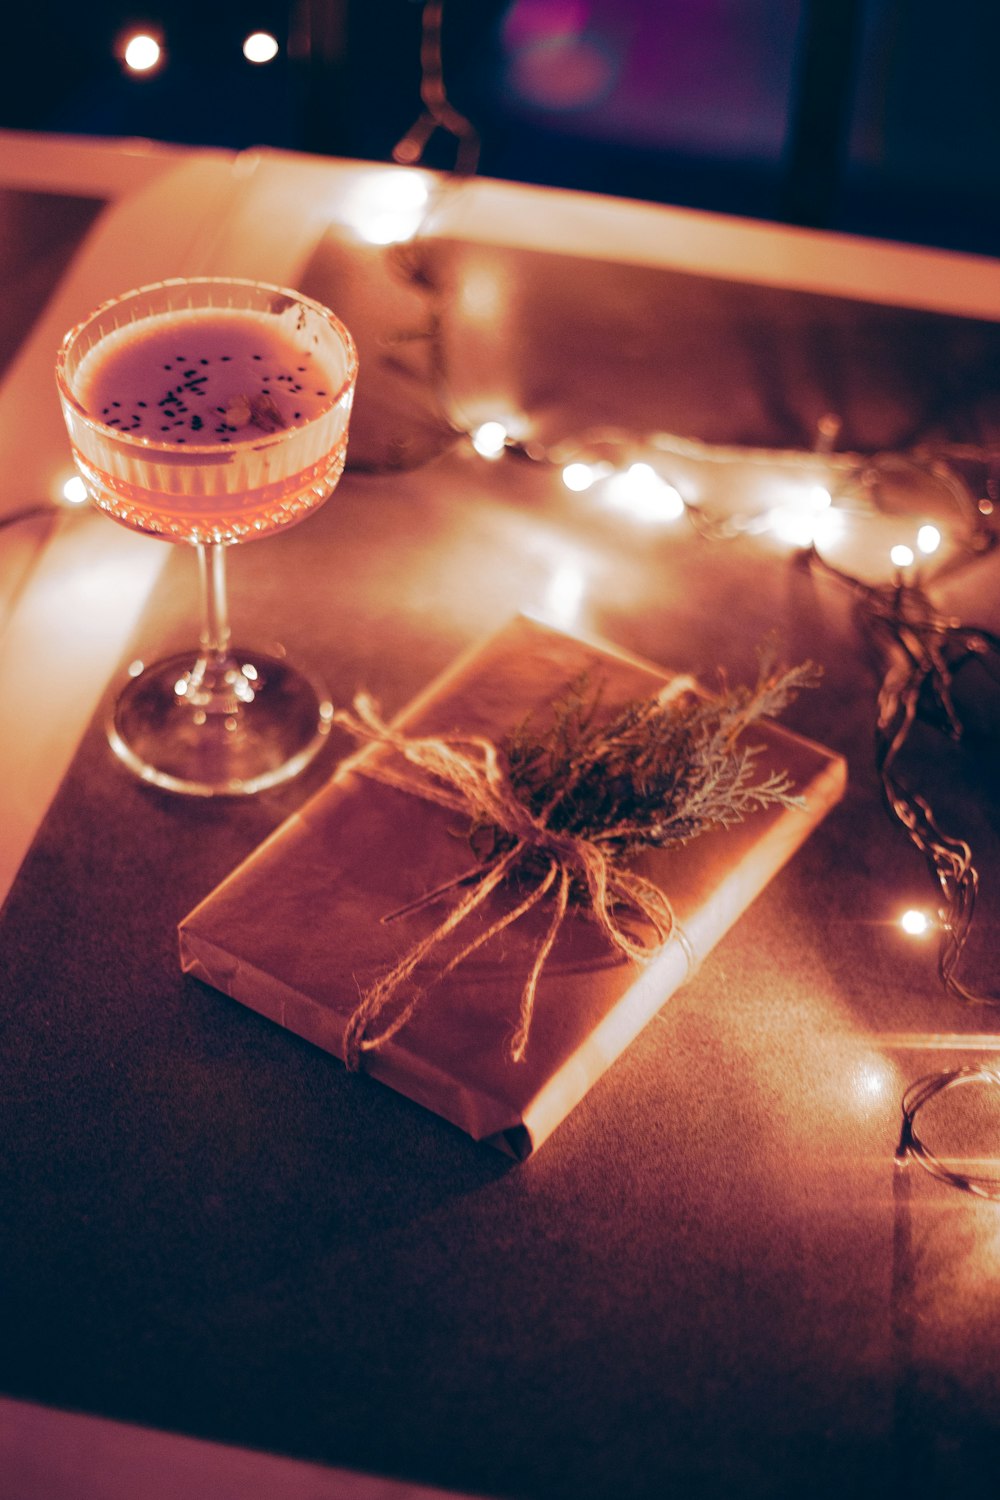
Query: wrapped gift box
[297, 931]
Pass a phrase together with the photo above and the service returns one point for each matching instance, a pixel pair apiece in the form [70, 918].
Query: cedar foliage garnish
[599, 787]
[659, 771]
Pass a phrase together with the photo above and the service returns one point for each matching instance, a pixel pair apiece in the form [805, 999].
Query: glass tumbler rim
[144, 443]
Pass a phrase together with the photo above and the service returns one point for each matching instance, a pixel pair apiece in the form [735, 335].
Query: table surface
[711, 1280]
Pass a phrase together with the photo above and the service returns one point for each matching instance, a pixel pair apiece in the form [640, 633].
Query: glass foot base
[219, 728]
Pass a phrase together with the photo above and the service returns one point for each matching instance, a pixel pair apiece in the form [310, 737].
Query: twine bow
[466, 773]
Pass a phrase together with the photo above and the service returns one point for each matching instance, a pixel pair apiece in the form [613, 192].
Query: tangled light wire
[920, 652]
[913, 1148]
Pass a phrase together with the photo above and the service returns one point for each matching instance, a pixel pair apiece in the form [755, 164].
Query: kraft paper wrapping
[296, 931]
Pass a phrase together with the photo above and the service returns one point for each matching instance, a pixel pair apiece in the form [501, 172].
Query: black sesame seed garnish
[140, 403]
[203, 361]
[258, 356]
[225, 358]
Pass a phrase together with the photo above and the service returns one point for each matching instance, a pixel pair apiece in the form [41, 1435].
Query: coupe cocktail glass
[211, 411]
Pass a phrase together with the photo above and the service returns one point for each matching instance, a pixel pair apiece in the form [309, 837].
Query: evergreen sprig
[659, 771]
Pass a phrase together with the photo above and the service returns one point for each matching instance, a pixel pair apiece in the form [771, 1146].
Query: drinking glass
[239, 445]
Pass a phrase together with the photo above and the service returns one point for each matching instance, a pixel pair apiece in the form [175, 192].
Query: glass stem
[214, 636]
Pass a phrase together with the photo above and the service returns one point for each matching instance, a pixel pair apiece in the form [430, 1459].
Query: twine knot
[466, 773]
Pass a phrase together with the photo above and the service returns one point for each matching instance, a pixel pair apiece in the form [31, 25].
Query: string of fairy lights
[920, 651]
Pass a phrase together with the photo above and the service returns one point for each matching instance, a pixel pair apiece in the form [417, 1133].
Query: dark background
[872, 116]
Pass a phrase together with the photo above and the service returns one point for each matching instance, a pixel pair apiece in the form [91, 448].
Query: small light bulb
[928, 539]
[74, 491]
[578, 477]
[402, 189]
[666, 505]
[387, 206]
[793, 525]
[260, 47]
[142, 53]
[901, 555]
[643, 494]
[820, 497]
[490, 439]
[914, 922]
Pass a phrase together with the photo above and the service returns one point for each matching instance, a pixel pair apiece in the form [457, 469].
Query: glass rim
[148, 444]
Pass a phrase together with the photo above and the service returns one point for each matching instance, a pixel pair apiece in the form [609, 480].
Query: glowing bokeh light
[490, 439]
[915, 923]
[793, 524]
[142, 52]
[901, 556]
[803, 517]
[928, 539]
[74, 491]
[578, 477]
[387, 206]
[562, 72]
[643, 494]
[528, 21]
[260, 47]
[828, 527]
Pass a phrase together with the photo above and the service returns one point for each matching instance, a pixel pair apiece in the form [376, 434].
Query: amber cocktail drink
[211, 411]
